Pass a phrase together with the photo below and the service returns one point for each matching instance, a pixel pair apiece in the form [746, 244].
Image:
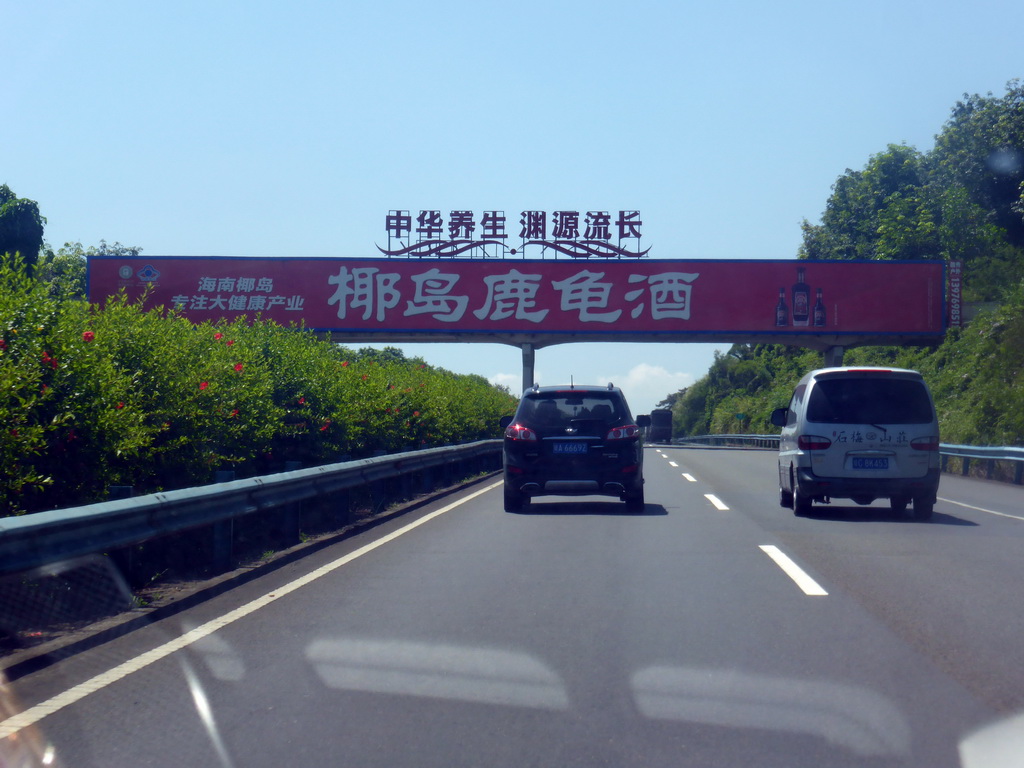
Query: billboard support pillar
[833, 357]
[529, 355]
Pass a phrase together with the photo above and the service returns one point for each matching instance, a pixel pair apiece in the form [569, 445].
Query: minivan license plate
[863, 463]
[570, 447]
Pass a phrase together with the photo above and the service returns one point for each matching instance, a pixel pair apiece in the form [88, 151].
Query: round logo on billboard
[124, 272]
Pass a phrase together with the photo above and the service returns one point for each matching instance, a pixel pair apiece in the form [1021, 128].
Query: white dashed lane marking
[795, 572]
[719, 504]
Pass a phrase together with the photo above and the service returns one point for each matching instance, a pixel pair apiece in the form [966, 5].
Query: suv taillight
[621, 433]
[519, 432]
[813, 442]
[925, 443]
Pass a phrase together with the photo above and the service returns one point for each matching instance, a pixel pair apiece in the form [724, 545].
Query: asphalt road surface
[715, 629]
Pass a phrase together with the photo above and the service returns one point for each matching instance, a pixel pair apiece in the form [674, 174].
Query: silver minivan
[860, 434]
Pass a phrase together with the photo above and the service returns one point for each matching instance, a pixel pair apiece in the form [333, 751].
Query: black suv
[573, 441]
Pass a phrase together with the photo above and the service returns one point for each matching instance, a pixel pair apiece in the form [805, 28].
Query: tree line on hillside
[962, 200]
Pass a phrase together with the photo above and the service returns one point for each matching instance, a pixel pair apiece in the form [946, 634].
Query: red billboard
[583, 298]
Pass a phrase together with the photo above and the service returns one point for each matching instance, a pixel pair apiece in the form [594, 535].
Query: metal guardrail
[990, 455]
[731, 441]
[36, 540]
[968, 454]
[40, 539]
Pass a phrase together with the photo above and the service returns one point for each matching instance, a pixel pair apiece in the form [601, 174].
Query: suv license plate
[570, 447]
[862, 463]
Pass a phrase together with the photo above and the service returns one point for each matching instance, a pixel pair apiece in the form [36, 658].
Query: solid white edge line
[33, 715]
[719, 505]
[795, 572]
[980, 509]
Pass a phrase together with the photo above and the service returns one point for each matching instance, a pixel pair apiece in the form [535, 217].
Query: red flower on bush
[325, 426]
[234, 413]
[302, 401]
[51, 361]
[218, 336]
[88, 336]
[365, 377]
[344, 364]
[3, 344]
[415, 413]
[120, 406]
[230, 342]
[203, 384]
[239, 367]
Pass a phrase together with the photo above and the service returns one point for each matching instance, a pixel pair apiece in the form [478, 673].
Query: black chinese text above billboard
[509, 300]
[586, 234]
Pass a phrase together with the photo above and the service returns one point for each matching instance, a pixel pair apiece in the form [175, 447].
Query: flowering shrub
[91, 398]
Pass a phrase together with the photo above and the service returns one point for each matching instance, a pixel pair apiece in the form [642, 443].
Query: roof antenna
[571, 383]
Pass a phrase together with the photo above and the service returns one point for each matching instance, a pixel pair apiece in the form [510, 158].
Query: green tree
[981, 148]
[882, 212]
[21, 227]
[65, 270]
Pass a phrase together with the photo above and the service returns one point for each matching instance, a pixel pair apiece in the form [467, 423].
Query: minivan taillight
[925, 443]
[621, 433]
[813, 442]
[519, 432]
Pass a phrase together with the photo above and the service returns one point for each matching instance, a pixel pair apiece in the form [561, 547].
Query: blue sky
[290, 129]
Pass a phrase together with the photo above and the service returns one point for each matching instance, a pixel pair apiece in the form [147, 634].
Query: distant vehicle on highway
[573, 440]
[861, 434]
[661, 426]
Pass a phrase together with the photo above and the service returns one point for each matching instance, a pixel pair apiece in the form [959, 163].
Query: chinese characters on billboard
[567, 233]
[480, 297]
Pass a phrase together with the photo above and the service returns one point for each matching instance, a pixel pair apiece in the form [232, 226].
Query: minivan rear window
[869, 401]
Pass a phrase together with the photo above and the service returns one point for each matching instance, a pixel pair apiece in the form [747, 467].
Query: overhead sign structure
[818, 304]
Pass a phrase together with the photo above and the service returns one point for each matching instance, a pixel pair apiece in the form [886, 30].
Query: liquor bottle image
[819, 312]
[781, 310]
[801, 299]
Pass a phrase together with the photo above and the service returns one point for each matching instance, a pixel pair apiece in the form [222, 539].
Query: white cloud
[514, 381]
[647, 385]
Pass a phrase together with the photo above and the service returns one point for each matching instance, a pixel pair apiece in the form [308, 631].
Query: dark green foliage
[963, 200]
[21, 227]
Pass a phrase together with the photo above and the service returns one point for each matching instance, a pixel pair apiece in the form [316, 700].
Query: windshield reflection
[478, 675]
[854, 718]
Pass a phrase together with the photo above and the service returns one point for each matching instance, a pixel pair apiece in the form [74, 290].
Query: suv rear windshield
[869, 401]
[557, 410]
